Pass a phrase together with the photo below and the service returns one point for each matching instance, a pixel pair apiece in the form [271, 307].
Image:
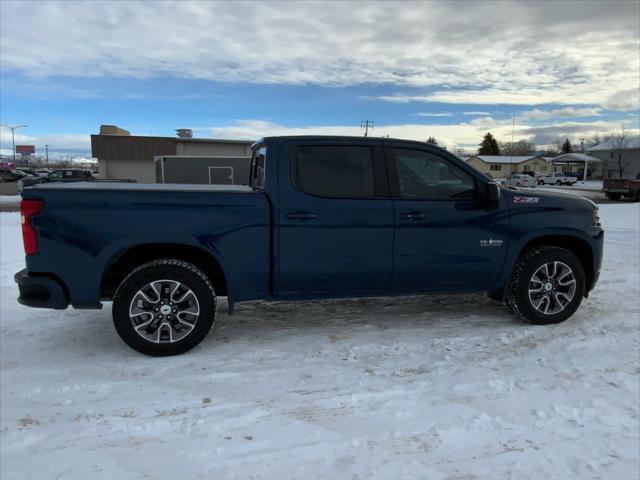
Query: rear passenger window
[334, 171]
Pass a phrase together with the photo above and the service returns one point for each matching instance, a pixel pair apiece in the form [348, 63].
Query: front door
[335, 220]
[445, 235]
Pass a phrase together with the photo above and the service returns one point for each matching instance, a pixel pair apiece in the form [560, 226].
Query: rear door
[335, 220]
[445, 235]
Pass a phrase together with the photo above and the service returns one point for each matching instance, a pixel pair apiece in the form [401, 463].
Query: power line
[366, 124]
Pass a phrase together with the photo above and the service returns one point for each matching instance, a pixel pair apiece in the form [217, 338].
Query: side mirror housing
[493, 192]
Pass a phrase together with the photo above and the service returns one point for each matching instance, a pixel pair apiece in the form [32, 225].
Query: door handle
[301, 216]
[413, 216]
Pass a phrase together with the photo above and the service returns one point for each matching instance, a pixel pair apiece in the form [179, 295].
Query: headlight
[596, 217]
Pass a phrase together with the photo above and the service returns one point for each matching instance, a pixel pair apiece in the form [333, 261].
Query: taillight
[29, 208]
[626, 184]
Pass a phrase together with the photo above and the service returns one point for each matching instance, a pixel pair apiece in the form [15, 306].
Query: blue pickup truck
[321, 217]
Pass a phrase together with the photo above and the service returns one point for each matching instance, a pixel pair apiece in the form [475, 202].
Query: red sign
[25, 149]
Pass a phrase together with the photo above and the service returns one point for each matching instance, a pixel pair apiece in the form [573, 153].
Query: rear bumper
[40, 292]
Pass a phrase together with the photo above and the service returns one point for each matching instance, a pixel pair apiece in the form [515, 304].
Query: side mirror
[493, 192]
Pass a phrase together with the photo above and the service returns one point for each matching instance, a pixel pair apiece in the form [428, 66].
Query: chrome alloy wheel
[164, 311]
[552, 287]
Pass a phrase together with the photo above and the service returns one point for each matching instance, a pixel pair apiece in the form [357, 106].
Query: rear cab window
[334, 171]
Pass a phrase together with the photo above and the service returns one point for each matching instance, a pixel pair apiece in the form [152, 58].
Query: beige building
[501, 166]
[124, 156]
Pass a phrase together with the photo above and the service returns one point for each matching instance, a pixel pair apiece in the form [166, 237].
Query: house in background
[615, 154]
[124, 156]
[575, 163]
[501, 166]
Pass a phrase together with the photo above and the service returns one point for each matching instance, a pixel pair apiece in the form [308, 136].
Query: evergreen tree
[432, 141]
[489, 145]
[566, 147]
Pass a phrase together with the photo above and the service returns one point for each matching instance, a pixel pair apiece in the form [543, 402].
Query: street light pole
[13, 129]
[46, 148]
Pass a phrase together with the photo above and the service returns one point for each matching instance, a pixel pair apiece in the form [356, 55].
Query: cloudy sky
[453, 70]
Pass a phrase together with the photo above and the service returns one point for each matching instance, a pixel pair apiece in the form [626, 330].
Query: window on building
[495, 167]
[423, 175]
[334, 171]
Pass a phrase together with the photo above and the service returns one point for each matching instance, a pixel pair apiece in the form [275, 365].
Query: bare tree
[619, 143]
[521, 147]
[461, 152]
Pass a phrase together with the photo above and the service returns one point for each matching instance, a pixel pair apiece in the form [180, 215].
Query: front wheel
[547, 285]
[558, 183]
[164, 307]
[541, 182]
[614, 196]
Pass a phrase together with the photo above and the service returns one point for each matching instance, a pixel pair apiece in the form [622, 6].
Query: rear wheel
[164, 307]
[547, 285]
[541, 182]
[558, 183]
[614, 196]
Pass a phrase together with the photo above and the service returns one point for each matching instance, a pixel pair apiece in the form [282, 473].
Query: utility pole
[366, 124]
[13, 129]
[513, 132]
[46, 149]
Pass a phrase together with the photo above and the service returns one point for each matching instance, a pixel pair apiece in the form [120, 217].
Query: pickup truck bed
[615, 188]
[88, 226]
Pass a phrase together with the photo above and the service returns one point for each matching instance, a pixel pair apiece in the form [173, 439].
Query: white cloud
[554, 52]
[537, 114]
[429, 114]
[57, 143]
[466, 134]
[477, 113]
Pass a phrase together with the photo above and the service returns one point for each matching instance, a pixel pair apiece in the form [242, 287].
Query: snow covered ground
[424, 387]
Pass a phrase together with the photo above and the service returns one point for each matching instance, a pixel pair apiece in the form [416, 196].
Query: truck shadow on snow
[268, 323]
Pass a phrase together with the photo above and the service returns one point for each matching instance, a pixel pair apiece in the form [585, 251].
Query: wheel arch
[576, 245]
[126, 260]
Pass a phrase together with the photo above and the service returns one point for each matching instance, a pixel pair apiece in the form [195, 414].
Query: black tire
[517, 292]
[541, 182]
[191, 278]
[518, 184]
[558, 183]
[614, 196]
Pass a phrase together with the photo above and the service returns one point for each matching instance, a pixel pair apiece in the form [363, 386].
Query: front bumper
[40, 291]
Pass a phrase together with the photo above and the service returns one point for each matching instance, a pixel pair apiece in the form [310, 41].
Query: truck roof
[342, 137]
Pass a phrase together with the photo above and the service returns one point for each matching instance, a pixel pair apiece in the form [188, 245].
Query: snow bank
[413, 388]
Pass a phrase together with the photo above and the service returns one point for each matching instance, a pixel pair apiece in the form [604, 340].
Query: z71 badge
[525, 199]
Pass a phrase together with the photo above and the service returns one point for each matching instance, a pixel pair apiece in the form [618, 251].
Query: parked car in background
[29, 171]
[519, 180]
[66, 175]
[616, 188]
[62, 175]
[43, 172]
[557, 178]
[323, 217]
[11, 175]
